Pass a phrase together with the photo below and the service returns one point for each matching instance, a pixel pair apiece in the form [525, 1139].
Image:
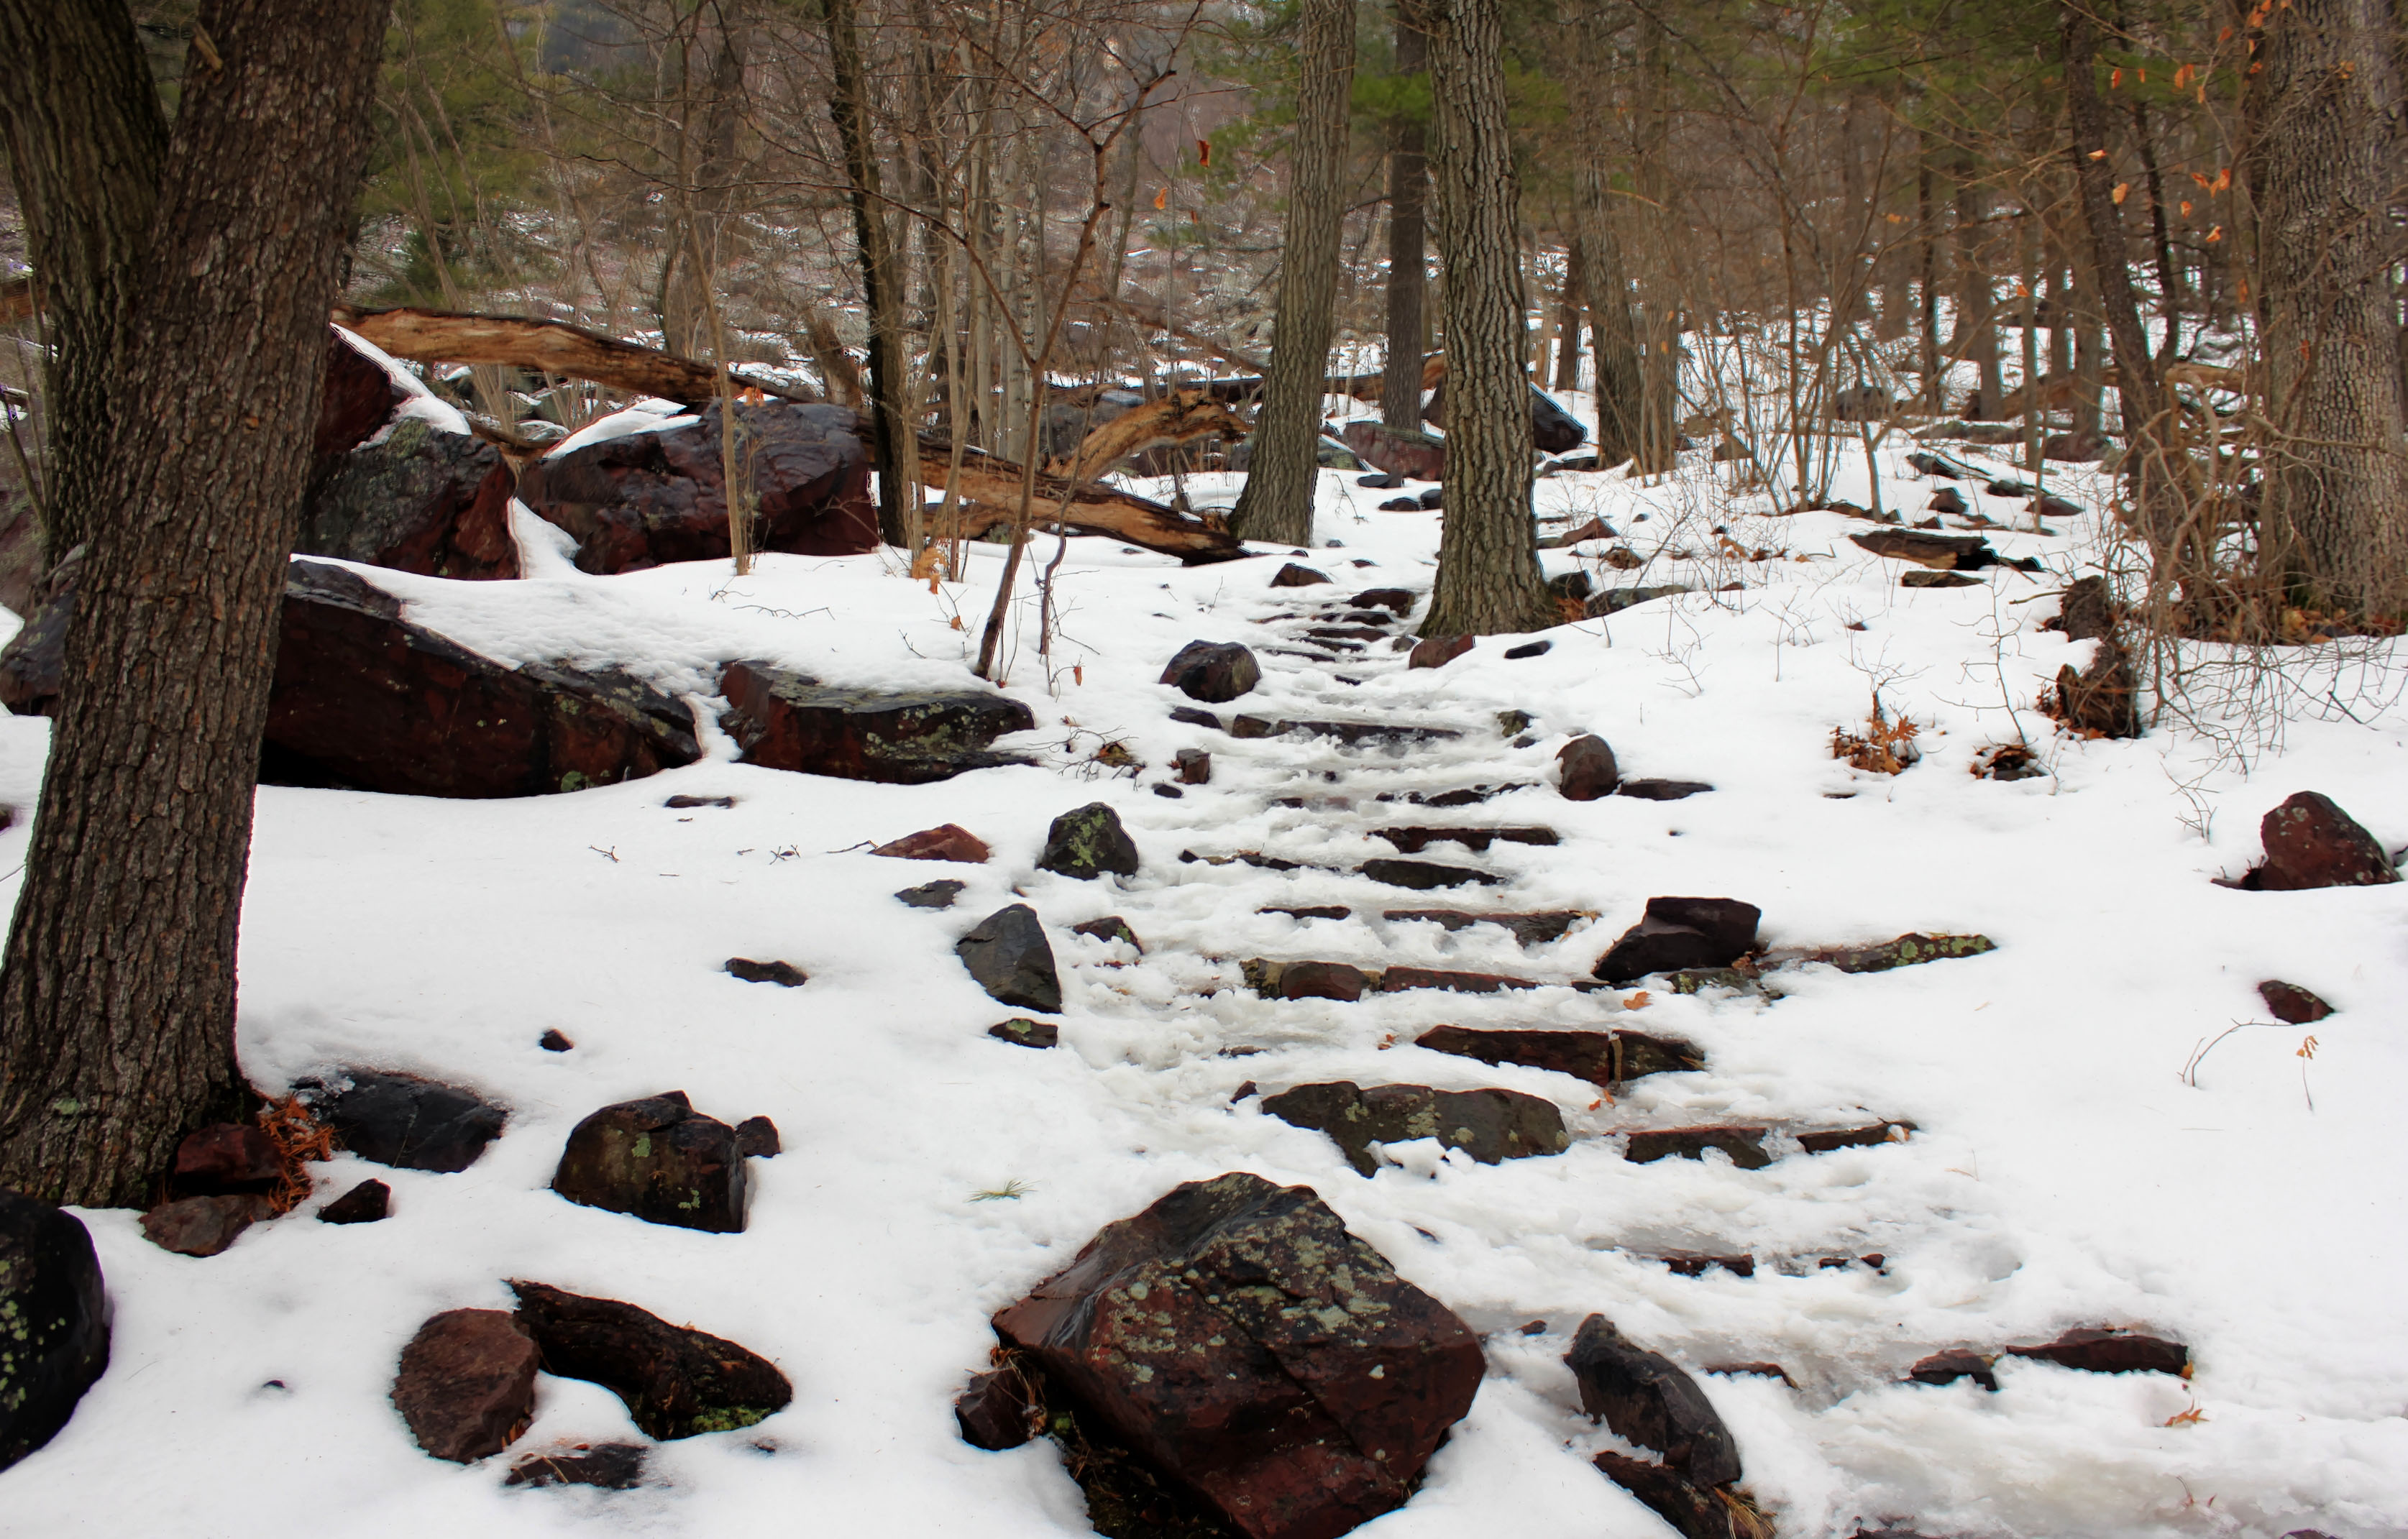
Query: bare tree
[1400, 375]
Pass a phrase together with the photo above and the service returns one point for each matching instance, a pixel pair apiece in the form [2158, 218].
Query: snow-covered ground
[2064, 1175]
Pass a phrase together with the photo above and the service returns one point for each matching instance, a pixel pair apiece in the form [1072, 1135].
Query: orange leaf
[2197, 178]
[2116, 79]
[1162, 199]
[1203, 151]
[2099, 154]
[2215, 235]
[1636, 1002]
[2223, 180]
[1078, 673]
[2191, 1418]
[957, 623]
[2185, 208]
[2121, 187]
[2224, 37]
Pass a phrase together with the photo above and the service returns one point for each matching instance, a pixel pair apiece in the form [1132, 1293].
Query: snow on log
[988, 491]
[552, 347]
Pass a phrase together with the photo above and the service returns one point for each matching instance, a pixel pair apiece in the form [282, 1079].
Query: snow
[419, 403]
[2064, 1175]
[647, 416]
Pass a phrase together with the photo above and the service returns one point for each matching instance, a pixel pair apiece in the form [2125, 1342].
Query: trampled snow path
[2063, 1176]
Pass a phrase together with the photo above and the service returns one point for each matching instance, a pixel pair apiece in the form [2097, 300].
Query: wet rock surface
[1012, 961]
[365, 699]
[657, 1159]
[789, 721]
[1239, 1343]
[467, 1384]
[1678, 933]
[1488, 1125]
[402, 1120]
[676, 1381]
[56, 1308]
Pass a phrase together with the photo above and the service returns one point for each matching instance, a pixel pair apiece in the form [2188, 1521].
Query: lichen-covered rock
[676, 1381]
[788, 721]
[467, 1384]
[1238, 1339]
[1604, 1058]
[659, 1159]
[365, 699]
[1012, 961]
[2310, 843]
[1213, 671]
[645, 498]
[1678, 933]
[1906, 951]
[53, 1321]
[402, 1120]
[1488, 1125]
[1088, 841]
[418, 500]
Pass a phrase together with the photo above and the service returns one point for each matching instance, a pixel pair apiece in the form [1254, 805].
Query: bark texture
[85, 139]
[1598, 247]
[1488, 578]
[1277, 502]
[117, 1003]
[2322, 177]
[882, 280]
[1401, 376]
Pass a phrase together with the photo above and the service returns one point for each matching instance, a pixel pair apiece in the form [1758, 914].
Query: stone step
[1347, 982]
[1349, 732]
[1413, 841]
[1605, 1058]
[1536, 929]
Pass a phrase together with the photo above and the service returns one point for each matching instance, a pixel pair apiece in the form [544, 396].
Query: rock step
[1349, 732]
[1413, 841]
[1534, 928]
[1344, 981]
[1490, 1125]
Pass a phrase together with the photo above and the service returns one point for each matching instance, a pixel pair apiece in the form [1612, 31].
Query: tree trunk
[80, 121]
[1926, 220]
[1659, 406]
[1401, 379]
[2170, 287]
[117, 1004]
[2321, 176]
[1598, 249]
[881, 282]
[1277, 502]
[685, 306]
[1568, 322]
[1488, 578]
[1977, 330]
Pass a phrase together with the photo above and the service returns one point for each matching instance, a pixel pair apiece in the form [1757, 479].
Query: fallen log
[550, 347]
[987, 492]
[1179, 418]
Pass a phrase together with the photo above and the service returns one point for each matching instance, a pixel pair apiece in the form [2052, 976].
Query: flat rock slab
[1425, 875]
[1395, 980]
[1871, 1134]
[1538, 929]
[1022, 1032]
[937, 894]
[1933, 552]
[1682, 932]
[1907, 950]
[786, 720]
[467, 1384]
[1488, 1125]
[367, 700]
[1745, 1146]
[1604, 1058]
[658, 1160]
[1009, 954]
[783, 974]
[1397, 601]
[1413, 841]
[203, 1226]
[1693, 1512]
[2095, 1352]
[55, 1305]
[402, 1120]
[1461, 796]
[1240, 1341]
[676, 1381]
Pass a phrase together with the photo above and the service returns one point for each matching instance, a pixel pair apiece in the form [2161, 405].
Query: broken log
[550, 346]
[1179, 418]
[988, 495]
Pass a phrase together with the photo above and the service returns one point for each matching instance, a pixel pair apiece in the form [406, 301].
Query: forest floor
[2063, 1173]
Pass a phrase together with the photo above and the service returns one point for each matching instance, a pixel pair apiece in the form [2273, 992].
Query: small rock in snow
[937, 894]
[1086, 842]
[659, 1159]
[466, 1383]
[785, 974]
[1010, 956]
[365, 1203]
[945, 842]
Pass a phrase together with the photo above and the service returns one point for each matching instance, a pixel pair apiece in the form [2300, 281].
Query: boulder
[1553, 429]
[1213, 671]
[1649, 1401]
[676, 1381]
[1239, 1340]
[1947, 499]
[365, 1204]
[1488, 1125]
[205, 1226]
[1588, 769]
[659, 1159]
[1397, 600]
[1415, 456]
[36, 659]
[1745, 1146]
[1682, 932]
[226, 1157]
[1293, 576]
[612, 1466]
[756, 1138]
[358, 399]
[2292, 1005]
[467, 1384]
[56, 1312]
[1604, 1058]
[365, 699]
[1335, 980]
[1433, 499]
[1086, 842]
[404, 1121]
[788, 721]
[945, 842]
[1437, 651]
[649, 497]
[937, 894]
[419, 499]
[1012, 961]
[2311, 842]
[1402, 505]
[783, 974]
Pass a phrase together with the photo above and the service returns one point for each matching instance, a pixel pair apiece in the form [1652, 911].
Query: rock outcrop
[789, 721]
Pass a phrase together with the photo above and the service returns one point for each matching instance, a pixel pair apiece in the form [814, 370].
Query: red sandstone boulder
[660, 495]
[2310, 843]
[1417, 456]
[1235, 1338]
[790, 721]
[945, 842]
[365, 699]
[467, 1384]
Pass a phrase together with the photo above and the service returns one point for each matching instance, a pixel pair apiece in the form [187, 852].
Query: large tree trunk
[1488, 578]
[1659, 338]
[1277, 503]
[2322, 178]
[1401, 376]
[117, 1004]
[882, 281]
[1597, 247]
[80, 121]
